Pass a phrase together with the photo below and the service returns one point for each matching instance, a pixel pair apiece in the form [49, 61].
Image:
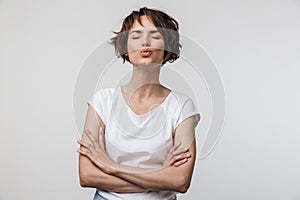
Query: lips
[145, 53]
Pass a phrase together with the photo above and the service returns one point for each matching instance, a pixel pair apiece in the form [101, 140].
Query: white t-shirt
[140, 140]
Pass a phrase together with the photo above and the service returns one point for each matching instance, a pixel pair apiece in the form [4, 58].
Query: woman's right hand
[176, 156]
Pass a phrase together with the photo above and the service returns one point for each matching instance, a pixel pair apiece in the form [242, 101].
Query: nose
[146, 40]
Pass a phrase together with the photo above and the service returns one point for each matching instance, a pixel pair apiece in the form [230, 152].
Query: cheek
[133, 45]
[158, 44]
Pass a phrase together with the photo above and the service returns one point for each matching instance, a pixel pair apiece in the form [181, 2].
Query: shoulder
[102, 97]
[183, 104]
[104, 93]
[180, 99]
[185, 108]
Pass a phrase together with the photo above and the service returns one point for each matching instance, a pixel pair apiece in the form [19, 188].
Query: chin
[148, 64]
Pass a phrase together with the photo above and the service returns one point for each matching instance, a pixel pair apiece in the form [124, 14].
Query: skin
[96, 169]
[145, 36]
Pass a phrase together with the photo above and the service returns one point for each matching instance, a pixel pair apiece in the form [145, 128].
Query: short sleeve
[187, 110]
[96, 101]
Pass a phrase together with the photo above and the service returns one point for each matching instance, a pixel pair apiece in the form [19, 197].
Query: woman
[138, 140]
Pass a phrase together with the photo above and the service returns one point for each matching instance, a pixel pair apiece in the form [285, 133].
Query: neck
[144, 80]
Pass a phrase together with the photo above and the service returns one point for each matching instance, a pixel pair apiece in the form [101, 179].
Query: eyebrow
[139, 31]
[154, 31]
[135, 31]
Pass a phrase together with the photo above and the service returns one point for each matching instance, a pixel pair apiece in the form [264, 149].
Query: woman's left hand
[95, 151]
[177, 156]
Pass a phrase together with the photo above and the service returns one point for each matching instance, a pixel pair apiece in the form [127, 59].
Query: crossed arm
[97, 170]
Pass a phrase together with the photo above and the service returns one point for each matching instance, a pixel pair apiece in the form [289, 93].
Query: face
[145, 44]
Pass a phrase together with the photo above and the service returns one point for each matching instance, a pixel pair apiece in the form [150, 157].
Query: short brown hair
[166, 25]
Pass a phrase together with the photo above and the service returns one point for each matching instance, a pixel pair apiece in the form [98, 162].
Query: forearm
[91, 176]
[162, 179]
[166, 178]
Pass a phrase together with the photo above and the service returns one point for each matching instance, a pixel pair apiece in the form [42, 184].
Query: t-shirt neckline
[147, 113]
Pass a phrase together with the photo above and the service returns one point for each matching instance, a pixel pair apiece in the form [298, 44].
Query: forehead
[146, 23]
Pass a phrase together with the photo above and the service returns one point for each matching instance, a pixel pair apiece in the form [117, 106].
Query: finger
[101, 135]
[86, 145]
[179, 151]
[175, 147]
[84, 152]
[180, 162]
[185, 155]
[101, 129]
[172, 153]
[101, 140]
[178, 145]
[91, 137]
[180, 157]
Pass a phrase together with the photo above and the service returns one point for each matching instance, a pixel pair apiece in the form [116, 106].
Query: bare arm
[89, 174]
[165, 178]
[169, 177]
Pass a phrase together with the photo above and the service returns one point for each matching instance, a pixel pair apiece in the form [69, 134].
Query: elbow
[183, 189]
[183, 184]
[84, 179]
[83, 183]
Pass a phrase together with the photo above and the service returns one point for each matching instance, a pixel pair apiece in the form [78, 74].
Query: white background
[255, 45]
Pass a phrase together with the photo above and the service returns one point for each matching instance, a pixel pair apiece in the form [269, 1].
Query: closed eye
[135, 37]
[156, 37]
